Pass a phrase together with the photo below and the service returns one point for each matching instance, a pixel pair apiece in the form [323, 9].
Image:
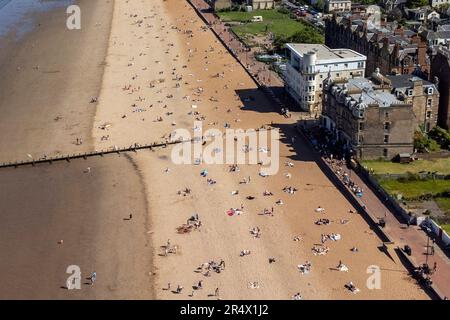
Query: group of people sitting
[290, 190]
[207, 267]
[304, 268]
[320, 250]
[322, 221]
[255, 232]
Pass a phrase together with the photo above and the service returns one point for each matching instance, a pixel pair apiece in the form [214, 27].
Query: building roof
[406, 81]
[325, 54]
[434, 35]
[367, 94]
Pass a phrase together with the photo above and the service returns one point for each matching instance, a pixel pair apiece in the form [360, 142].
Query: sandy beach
[155, 68]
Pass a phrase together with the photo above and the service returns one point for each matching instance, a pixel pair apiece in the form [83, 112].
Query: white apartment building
[310, 64]
[437, 3]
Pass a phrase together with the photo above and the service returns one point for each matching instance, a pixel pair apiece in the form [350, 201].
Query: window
[385, 152]
[428, 115]
[410, 92]
[386, 138]
[386, 126]
[429, 102]
[386, 114]
[430, 91]
[337, 75]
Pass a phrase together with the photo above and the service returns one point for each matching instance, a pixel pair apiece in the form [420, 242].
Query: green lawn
[446, 227]
[444, 204]
[280, 24]
[440, 165]
[413, 189]
[247, 16]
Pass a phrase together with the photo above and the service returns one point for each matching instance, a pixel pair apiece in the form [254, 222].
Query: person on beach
[92, 277]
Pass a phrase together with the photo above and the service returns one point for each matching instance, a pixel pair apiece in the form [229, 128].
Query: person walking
[93, 277]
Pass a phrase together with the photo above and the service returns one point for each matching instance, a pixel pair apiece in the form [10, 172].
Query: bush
[284, 10]
[442, 137]
[424, 143]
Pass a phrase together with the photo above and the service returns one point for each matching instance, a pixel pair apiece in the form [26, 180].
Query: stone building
[261, 4]
[376, 117]
[392, 49]
[440, 71]
[422, 94]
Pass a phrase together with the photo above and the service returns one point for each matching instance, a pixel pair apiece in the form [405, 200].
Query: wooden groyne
[100, 153]
[96, 153]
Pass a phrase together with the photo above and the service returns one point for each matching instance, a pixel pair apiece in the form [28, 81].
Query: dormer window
[430, 90]
[410, 92]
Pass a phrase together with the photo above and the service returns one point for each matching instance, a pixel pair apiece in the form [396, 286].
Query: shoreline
[45, 204]
[58, 80]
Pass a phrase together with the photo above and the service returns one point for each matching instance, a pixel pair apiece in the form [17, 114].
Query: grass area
[444, 204]
[247, 16]
[379, 166]
[446, 227]
[280, 24]
[411, 190]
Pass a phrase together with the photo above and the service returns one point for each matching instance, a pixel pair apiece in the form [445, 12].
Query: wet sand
[48, 80]
[45, 204]
[44, 110]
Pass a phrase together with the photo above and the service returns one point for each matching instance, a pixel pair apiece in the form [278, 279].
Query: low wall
[396, 208]
[386, 198]
[439, 232]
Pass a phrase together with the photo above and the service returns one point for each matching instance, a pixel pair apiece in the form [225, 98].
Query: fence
[438, 231]
[386, 198]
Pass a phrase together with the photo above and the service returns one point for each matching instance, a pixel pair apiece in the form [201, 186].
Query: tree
[320, 5]
[394, 15]
[416, 3]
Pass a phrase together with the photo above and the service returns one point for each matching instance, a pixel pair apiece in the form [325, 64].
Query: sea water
[17, 17]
